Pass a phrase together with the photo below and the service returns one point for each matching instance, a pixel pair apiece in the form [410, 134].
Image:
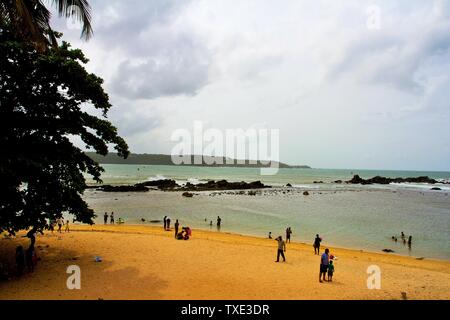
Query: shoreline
[146, 262]
[258, 237]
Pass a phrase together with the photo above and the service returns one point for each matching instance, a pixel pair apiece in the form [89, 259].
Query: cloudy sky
[350, 84]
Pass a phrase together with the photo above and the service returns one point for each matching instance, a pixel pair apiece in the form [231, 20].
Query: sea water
[354, 216]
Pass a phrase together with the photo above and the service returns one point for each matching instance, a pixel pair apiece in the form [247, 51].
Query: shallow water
[362, 217]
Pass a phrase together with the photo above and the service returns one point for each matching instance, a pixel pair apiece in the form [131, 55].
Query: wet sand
[145, 262]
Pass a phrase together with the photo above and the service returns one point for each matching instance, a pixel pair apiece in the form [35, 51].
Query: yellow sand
[142, 262]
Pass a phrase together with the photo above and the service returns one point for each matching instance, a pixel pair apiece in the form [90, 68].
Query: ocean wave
[424, 186]
[305, 186]
[157, 177]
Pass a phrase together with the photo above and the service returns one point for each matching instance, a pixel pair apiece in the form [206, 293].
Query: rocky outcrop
[135, 188]
[224, 185]
[383, 180]
[436, 189]
[171, 185]
[160, 184]
[306, 193]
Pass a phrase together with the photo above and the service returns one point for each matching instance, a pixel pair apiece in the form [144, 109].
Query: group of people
[184, 234]
[326, 260]
[111, 218]
[403, 237]
[219, 223]
[60, 223]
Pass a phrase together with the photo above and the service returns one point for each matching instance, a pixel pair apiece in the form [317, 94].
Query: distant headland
[166, 160]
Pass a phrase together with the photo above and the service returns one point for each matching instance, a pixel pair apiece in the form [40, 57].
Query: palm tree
[30, 19]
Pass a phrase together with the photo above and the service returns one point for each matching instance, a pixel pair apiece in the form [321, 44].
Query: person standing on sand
[316, 245]
[105, 217]
[60, 223]
[324, 262]
[281, 249]
[165, 222]
[288, 235]
[168, 223]
[67, 226]
[177, 225]
[111, 217]
[270, 235]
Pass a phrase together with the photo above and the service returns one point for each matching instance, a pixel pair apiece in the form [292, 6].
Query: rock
[142, 220]
[318, 182]
[161, 184]
[388, 250]
[306, 193]
[436, 189]
[171, 185]
[135, 188]
[356, 180]
[289, 185]
[225, 185]
[188, 195]
[383, 180]
[252, 193]
[338, 181]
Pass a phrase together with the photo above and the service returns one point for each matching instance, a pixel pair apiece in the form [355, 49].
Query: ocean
[352, 216]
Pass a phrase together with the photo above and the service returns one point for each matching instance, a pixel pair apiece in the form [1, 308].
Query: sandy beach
[144, 262]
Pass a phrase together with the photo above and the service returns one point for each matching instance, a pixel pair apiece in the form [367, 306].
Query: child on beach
[67, 226]
[330, 270]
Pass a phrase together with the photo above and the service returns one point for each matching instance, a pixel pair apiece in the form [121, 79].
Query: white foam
[423, 186]
[157, 177]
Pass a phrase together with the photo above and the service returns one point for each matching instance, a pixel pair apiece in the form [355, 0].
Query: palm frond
[79, 9]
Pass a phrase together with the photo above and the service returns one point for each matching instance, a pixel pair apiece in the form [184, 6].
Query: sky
[349, 84]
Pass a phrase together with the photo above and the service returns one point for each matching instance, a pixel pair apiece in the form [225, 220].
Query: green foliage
[30, 19]
[43, 99]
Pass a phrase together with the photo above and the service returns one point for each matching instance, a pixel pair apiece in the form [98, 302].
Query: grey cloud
[182, 70]
[134, 122]
[163, 58]
[391, 58]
